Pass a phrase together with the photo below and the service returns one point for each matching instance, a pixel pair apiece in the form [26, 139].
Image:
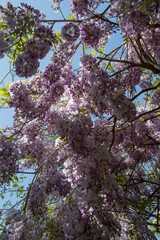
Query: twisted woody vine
[89, 136]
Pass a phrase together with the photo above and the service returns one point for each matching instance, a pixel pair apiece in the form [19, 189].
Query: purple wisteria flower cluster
[87, 133]
[13, 17]
[8, 15]
[55, 5]
[37, 47]
[5, 41]
[91, 33]
[8, 157]
[135, 17]
[84, 8]
[70, 32]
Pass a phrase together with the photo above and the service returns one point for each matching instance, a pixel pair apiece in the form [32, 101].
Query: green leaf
[93, 52]
[4, 102]
[15, 178]
[7, 85]
[58, 33]
[4, 93]
[20, 22]
[30, 26]
[85, 47]
[71, 17]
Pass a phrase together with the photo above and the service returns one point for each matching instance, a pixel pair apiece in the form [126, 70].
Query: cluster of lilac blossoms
[70, 32]
[13, 17]
[55, 5]
[82, 133]
[84, 8]
[5, 41]
[37, 47]
[91, 33]
[8, 157]
[134, 16]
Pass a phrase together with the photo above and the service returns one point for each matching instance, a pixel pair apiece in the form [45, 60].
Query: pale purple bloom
[90, 33]
[70, 32]
[37, 47]
[25, 65]
[55, 5]
[156, 98]
[4, 43]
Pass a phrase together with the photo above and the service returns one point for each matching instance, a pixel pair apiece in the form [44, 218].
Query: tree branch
[145, 90]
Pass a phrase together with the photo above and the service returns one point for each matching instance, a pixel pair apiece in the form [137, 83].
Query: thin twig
[145, 90]
[113, 133]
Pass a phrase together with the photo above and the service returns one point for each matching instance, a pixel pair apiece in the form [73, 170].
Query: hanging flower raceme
[134, 22]
[21, 100]
[84, 8]
[79, 8]
[73, 130]
[37, 47]
[156, 98]
[34, 13]
[89, 145]
[26, 65]
[135, 17]
[45, 33]
[8, 157]
[151, 38]
[55, 5]
[91, 33]
[5, 42]
[70, 32]
[122, 107]
[16, 17]
[87, 62]
[8, 15]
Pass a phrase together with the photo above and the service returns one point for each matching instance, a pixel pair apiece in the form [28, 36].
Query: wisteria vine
[89, 136]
